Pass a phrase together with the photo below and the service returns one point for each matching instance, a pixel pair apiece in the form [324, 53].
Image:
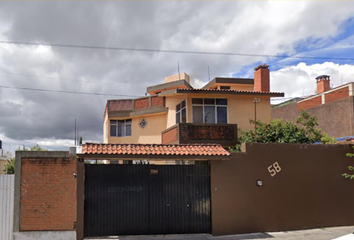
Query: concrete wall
[305, 191]
[335, 118]
[45, 195]
[150, 134]
[287, 112]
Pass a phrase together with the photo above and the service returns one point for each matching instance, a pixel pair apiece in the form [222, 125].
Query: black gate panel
[146, 199]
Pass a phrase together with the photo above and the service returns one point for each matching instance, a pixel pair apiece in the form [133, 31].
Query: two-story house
[175, 112]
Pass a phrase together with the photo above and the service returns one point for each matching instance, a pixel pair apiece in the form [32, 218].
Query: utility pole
[255, 101]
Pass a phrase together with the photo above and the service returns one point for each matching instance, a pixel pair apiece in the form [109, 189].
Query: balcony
[135, 107]
[224, 134]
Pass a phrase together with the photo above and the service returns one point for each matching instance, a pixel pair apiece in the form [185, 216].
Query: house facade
[175, 112]
[333, 108]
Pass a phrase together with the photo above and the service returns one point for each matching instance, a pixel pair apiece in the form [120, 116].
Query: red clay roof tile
[155, 149]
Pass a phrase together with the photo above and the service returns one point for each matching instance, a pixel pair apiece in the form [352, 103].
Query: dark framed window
[209, 110]
[121, 128]
[181, 112]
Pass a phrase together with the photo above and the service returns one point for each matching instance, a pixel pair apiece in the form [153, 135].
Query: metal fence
[7, 185]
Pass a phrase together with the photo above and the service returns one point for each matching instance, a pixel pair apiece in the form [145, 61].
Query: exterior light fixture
[143, 123]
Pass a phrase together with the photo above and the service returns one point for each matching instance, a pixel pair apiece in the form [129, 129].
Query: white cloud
[260, 27]
[299, 80]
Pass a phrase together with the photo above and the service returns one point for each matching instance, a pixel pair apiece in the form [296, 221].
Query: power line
[62, 91]
[171, 51]
[67, 79]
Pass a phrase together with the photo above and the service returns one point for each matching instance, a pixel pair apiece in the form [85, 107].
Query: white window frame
[212, 105]
[126, 123]
[180, 111]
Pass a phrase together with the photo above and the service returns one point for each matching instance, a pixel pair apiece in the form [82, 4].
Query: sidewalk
[312, 234]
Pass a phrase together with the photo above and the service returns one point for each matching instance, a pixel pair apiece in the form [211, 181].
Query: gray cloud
[254, 27]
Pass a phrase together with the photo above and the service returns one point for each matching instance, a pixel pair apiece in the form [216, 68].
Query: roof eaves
[229, 91]
[227, 80]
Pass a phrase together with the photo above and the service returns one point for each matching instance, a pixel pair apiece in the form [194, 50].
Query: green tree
[10, 166]
[279, 131]
[350, 168]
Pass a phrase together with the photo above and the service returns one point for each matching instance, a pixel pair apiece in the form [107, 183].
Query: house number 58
[274, 169]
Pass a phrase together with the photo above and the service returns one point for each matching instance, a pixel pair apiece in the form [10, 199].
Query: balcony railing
[224, 134]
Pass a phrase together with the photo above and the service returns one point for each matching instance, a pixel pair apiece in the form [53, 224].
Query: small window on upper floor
[121, 128]
[224, 87]
[181, 112]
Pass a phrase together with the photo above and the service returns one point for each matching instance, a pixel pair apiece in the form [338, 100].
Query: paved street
[312, 234]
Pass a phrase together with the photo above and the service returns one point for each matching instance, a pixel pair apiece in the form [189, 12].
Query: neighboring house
[333, 108]
[175, 112]
[3, 159]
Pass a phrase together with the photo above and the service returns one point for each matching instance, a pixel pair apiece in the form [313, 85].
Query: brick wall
[141, 103]
[157, 101]
[337, 94]
[170, 136]
[313, 102]
[48, 194]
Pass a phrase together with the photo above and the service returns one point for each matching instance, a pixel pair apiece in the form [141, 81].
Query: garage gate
[146, 199]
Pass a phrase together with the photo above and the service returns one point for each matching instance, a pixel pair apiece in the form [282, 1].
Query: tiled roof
[226, 91]
[155, 149]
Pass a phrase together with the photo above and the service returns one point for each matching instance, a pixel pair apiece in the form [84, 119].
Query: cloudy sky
[294, 31]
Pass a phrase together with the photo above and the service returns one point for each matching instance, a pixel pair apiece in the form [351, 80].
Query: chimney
[261, 78]
[323, 83]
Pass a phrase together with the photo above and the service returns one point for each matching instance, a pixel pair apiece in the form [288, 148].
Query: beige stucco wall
[105, 129]
[171, 103]
[240, 109]
[150, 134]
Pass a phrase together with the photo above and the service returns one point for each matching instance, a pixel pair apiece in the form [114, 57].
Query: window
[209, 110]
[121, 128]
[181, 112]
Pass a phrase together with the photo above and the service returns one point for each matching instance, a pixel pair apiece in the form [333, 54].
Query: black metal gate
[146, 199]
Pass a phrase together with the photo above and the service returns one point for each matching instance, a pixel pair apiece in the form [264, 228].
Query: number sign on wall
[274, 169]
